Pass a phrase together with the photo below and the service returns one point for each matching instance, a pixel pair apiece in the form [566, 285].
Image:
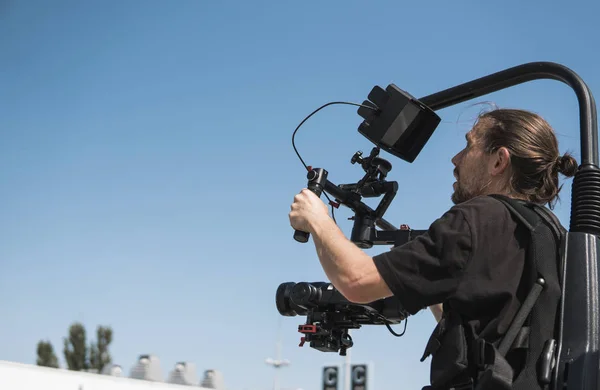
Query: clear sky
[147, 165]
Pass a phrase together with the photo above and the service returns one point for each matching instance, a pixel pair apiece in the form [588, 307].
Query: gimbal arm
[352, 200]
[364, 234]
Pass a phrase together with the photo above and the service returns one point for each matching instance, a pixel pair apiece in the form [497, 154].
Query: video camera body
[401, 125]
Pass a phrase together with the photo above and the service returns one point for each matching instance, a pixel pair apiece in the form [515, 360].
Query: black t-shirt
[471, 259]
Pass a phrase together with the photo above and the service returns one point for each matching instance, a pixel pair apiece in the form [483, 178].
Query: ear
[499, 162]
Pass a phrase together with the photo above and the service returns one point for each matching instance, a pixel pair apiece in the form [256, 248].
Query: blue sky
[147, 166]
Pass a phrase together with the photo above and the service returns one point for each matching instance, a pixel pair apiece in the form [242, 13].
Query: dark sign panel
[330, 378]
[358, 377]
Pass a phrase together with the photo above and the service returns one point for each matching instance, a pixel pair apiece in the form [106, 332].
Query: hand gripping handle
[317, 178]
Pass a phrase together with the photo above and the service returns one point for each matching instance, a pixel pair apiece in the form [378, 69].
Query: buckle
[480, 355]
[483, 354]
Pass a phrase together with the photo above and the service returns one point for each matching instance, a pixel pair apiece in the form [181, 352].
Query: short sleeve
[429, 268]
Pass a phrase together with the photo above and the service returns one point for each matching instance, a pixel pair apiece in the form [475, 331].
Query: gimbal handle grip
[317, 178]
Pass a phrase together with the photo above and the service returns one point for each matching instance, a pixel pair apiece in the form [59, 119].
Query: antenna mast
[278, 362]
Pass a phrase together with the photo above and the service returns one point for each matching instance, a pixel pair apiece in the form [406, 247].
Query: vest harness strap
[463, 361]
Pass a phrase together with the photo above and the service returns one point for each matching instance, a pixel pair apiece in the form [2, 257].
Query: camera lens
[305, 294]
[282, 299]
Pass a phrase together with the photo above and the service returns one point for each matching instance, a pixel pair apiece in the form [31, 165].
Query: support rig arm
[366, 220]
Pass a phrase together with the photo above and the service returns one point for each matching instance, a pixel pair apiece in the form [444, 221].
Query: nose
[456, 159]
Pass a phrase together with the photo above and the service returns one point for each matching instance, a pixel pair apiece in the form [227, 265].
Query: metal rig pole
[347, 366]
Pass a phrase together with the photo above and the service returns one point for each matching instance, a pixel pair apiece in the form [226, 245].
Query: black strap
[522, 338]
[517, 323]
[517, 209]
[513, 205]
[544, 258]
[552, 221]
[541, 212]
[489, 365]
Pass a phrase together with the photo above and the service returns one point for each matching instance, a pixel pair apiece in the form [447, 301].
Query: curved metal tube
[519, 75]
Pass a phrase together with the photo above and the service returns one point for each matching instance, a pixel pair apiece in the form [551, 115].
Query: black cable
[387, 324]
[304, 120]
[394, 333]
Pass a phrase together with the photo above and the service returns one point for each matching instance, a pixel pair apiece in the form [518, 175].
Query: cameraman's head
[512, 152]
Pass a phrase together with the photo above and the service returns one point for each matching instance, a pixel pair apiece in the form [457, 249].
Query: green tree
[45, 355]
[75, 348]
[99, 355]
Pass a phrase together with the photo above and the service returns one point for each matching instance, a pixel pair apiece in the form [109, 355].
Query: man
[472, 258]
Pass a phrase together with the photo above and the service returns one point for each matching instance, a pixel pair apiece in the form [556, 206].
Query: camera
[329, 315]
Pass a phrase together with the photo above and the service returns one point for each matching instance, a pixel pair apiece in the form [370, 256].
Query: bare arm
[349, 268]
[437, 311]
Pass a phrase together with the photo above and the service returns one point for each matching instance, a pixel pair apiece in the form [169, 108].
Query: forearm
[437, 311]
[349, 269]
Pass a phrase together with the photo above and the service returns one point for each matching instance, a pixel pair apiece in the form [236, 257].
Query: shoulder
[483, 203]
[493, 228]
[482, 221]
[473, 214]
[483, 211]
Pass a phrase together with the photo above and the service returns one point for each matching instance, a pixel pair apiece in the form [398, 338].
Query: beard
[467, 189]
[461, 193]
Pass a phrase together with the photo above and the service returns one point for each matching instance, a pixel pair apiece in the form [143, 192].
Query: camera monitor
[397, 122]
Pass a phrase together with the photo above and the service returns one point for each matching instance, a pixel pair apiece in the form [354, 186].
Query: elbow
[362, 283]
[364, 289]
[357, 293]
[360, 299]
